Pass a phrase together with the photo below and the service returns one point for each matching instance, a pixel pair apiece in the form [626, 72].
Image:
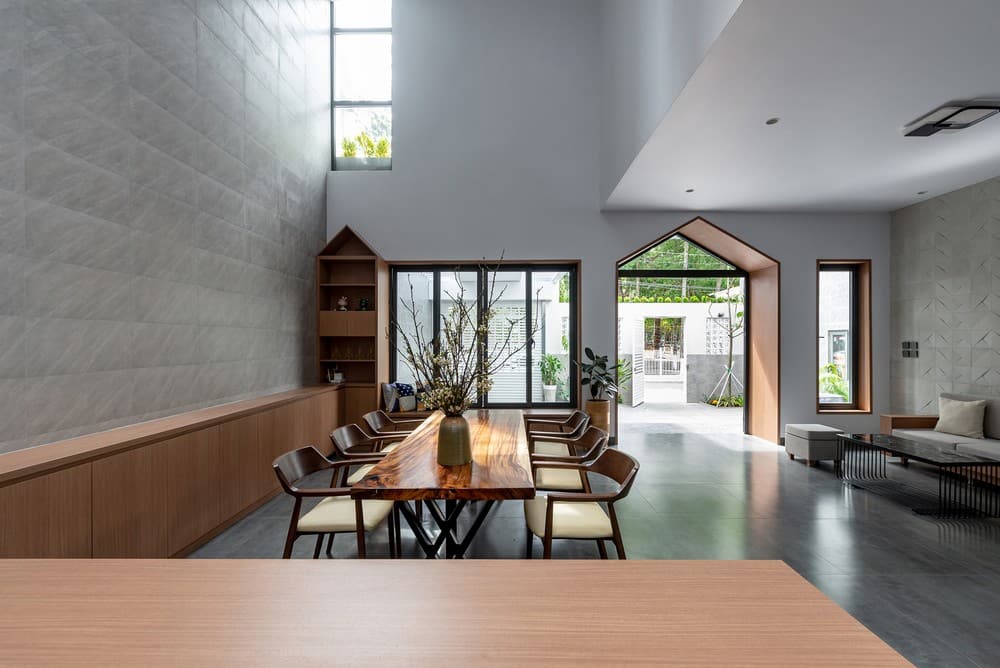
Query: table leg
[451, 539]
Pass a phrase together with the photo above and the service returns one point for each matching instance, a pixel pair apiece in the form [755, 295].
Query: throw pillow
[390, 395]
[407, 400]
[961, 418]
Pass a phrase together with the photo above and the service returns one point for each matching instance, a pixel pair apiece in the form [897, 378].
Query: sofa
[983, 447]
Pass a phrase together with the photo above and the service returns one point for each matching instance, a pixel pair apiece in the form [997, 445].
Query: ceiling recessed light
[772, 121]
[922, 192]
[689, 190]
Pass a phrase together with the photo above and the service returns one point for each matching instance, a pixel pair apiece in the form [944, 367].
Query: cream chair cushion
[359, 474]
[336, 513]
[551, 448]
[569, 520]
[560, 479]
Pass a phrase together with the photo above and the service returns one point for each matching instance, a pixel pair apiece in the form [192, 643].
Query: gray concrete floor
[929, 588]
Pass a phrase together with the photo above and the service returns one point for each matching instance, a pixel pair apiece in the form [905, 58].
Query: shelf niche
[353, 342]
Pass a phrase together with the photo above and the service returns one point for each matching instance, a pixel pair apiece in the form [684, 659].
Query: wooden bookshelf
[353, 342]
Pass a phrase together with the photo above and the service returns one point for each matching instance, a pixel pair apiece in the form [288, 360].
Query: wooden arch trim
[763, 335]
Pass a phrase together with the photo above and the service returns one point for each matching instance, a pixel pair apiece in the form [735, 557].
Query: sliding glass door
[533, 329]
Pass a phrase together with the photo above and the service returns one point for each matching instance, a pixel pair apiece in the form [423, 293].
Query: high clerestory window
[361, 58]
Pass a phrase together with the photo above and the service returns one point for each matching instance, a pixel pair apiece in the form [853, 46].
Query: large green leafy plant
[598, 376]
[831, 381]
[550, 366]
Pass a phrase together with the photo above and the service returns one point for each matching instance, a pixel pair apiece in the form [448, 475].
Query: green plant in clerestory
[349, 147]
[598, 376]
[550, 366]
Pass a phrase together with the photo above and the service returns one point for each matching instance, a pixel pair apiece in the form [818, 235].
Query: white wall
[695, 318]
[650, 50]
[495, 148]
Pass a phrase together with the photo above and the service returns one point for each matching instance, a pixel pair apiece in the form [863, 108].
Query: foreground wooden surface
[691, 613]
[500, 468]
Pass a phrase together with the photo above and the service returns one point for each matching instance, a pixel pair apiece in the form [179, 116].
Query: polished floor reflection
[929, 588]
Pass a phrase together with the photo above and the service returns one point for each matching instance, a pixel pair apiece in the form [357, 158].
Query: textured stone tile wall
[162, 193]
[946, 296]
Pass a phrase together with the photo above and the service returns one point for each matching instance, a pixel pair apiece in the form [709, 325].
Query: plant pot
[454, 442]
[599, 411]
[549, 393]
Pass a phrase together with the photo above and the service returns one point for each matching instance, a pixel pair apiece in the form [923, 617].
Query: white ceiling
[844, 76]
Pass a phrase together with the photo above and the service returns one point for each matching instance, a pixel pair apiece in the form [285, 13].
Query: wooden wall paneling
[243, 472]
[763, 354]
[130, 504]
[193, 486]
[48, 516]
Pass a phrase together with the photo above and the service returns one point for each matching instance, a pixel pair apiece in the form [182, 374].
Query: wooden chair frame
[379, 423]
[359, 444]
[306, 461]
[573, 427]
[584, 449]
[613, 464]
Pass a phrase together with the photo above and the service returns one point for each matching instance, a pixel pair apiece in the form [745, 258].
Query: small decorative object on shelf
[342, 303]
[363, 304]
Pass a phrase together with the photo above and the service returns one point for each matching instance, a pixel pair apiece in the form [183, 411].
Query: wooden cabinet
[246, 473]
[47, 516]
[159, 488]
[353, 342]
[131, 516]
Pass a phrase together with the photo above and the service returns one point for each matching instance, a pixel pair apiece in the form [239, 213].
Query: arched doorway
[760, 276]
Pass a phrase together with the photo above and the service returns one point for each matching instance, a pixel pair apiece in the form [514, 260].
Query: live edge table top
[500, 468]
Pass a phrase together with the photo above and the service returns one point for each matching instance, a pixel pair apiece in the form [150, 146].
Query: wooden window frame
[861, 335]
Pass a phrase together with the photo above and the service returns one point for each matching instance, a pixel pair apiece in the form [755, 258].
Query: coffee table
[968, 485]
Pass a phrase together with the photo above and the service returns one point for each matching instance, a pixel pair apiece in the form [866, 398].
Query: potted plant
[550, 366]
[600, 378]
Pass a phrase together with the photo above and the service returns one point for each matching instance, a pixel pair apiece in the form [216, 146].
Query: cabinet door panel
[47, 516]
[130, 504]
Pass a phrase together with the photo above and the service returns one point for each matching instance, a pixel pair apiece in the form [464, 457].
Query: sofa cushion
[813, 432]
[991, 421]
[929, 436]
[986, 447]
[962, 418]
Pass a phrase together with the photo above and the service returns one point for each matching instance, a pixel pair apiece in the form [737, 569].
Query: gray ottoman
[811, 442]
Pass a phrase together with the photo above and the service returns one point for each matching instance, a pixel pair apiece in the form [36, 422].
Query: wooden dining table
[253, 612]
[500, 470]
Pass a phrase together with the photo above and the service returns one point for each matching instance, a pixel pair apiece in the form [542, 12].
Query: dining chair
[583, 449]
[351, 442]
[336, 512]
[554, 442]
[568, 424]
[380, 424]
[581, 515]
